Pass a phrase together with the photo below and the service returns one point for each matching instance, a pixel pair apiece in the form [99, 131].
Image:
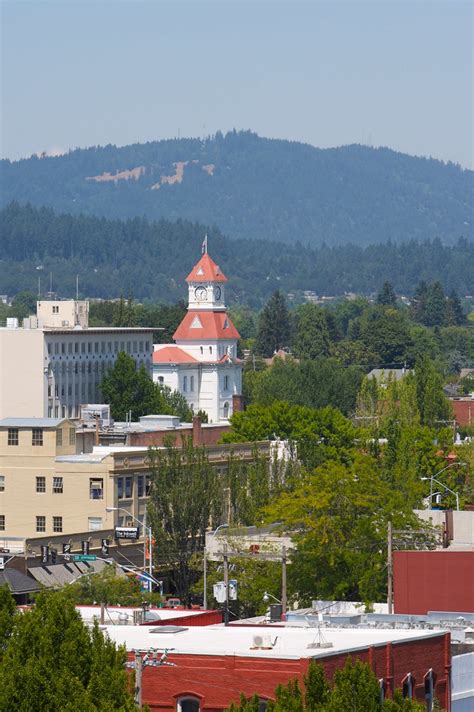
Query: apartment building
[55, 361]
[48, 487]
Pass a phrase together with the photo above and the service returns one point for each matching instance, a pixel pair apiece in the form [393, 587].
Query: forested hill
[252, 187]
[151, 260]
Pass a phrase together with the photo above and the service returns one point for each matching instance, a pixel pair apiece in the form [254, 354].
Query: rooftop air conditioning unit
[262, 642]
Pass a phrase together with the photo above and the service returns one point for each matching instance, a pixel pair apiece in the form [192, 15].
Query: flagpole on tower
[204, 245]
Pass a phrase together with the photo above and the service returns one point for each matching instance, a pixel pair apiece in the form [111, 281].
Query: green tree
[435, 312]
[312, 336]
[7, 611]
[454, 312]
[385, 333]
[419, 302]
[185, 498]
[108, 588]
[355, 688]
[433, 406]
[274, 328]
[23, 304]
[317, 688]
[53, 662]
[387, 297]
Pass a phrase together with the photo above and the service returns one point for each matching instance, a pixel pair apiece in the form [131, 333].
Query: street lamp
[204, 598]
[432, 479]
[267, 596]
[146, 534]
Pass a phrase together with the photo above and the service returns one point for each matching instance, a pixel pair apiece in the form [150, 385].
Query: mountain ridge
[257, 188]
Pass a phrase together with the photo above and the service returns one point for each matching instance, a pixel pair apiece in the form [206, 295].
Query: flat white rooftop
[113, 613]
[291, 643]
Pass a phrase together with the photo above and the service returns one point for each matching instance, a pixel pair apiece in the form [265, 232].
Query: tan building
[54, 362]
[49, 488]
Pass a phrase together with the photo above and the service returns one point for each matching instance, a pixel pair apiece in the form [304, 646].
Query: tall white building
[54, 362]
[202, 364]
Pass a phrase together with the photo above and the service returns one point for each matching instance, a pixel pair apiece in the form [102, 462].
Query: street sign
[84, 557]
[127, 532]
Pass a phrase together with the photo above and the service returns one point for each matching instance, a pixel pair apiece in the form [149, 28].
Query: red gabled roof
[206, 270]
[198, 325]
[172, 354]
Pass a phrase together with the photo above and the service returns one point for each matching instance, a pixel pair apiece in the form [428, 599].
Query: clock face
[217, 292]
[200, 293]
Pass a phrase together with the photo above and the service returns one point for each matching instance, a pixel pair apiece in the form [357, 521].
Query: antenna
[77, 287]
[39, 288]
[51, 282]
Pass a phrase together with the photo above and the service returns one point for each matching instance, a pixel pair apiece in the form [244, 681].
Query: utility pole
[283, 583]
[138, 679]
[390, 568]
[204, 600]
[226, 586]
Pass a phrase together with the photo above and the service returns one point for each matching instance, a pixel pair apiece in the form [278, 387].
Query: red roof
[198, 325]
[172, 354]
[206, 270]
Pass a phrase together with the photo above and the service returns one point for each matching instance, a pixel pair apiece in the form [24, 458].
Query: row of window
[71, 437]
[67, 411]
[14, 436]
[125, 486]
[99, 347]
[408, 688]
[94, 524]
[96, 486]
[225, 383]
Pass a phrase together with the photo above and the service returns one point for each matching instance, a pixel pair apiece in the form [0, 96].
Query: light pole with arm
[146, 535]
[432, 479]
[204, 598]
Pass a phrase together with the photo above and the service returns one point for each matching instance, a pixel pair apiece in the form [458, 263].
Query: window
[262, 705]
[37, 436]
[430, 681]
[407, 686]
[72, 436]
[128, 487]
[96, 347]
[140, 346]
[185, 383]
[188, 704]
[202, 350]
[57, 485]
[56, 410]
[83, 347]
[191, 383]
[57, 524]
[226, 383]
[102, 347]
[210, 349]
[148, 485]
[69, 348]
[41, 484]
[381, 690]
[13, 436]
[95, 523]
[161, 379]
[63, 348]
[134, 346]
[76, 347]
[56, 348]
[2, 483]
[120, 487]
[59, 438]
[96, 488]
[40, 523]
[55, 309]
[89, 347]
[226, 410]
[140, 487]
[2, 522]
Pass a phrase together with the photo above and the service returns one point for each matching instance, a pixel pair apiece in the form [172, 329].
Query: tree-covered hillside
[151, 260]
[252, 187]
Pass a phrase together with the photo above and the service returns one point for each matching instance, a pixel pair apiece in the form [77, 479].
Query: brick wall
[218, 680]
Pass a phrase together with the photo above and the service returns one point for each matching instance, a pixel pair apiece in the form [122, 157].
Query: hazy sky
[79, 73]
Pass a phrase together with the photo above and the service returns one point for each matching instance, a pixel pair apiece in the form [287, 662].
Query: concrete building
[48, 486]
[54, 361]
[214, 664]
[202, 364]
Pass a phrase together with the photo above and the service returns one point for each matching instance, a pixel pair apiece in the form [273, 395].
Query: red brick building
[441, 580]
[463, 410]
[214, 665]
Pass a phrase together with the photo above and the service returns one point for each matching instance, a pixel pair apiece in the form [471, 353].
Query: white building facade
[55, 362]
[202, 364]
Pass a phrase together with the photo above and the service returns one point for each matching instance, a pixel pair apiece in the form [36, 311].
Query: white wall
[462, 690]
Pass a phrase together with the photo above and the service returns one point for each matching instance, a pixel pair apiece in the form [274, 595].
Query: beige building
[48, 487]
[54, 362]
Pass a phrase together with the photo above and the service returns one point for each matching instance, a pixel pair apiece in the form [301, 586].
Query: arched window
[408, 685]
[202, 350]
[430, 682]
[226, 410]
[161, 379]
[262, 705]
[188, 704]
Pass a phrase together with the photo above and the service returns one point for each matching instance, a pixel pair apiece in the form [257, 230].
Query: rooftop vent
[167, 629]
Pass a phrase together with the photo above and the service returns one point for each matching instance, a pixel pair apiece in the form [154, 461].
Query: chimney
[197, 431]
[237, 403]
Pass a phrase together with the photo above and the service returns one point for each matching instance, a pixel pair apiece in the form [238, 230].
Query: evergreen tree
[53, 662]
[312, 336]
[435, 312]
[355, 688]
[418, 303]
[387, 297]
[454, 312]
[274, 329]
[7, 611]
[433, 405]
[317, 688]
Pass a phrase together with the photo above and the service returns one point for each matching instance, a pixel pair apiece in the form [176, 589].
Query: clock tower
[202, 364]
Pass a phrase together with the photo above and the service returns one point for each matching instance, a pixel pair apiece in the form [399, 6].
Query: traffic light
[54, 555]
[66, 548]
[85, 547]
[105, 547]
[44, 554]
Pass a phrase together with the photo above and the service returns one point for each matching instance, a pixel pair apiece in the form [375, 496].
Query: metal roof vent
[167, 629]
